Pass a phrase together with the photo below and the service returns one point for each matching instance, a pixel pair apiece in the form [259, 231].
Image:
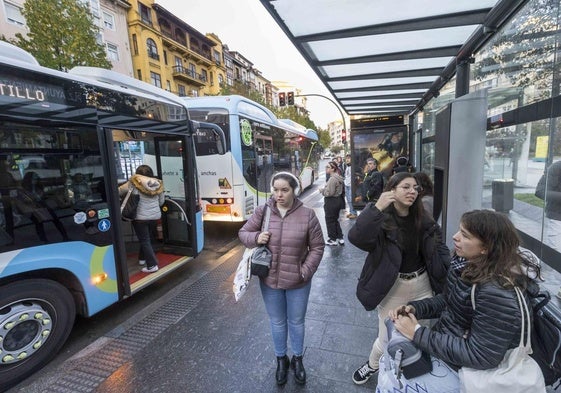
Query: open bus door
[177, 213]
[175, 237]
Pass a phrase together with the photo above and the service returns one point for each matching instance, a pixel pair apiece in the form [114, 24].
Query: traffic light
[344, 136]
[282, 99]
[290, 97]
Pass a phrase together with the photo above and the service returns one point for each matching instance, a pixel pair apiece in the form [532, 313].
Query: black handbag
[407, 357]
[262, 257]
[129, 206]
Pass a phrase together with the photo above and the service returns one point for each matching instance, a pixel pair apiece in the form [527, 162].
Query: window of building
[108, 21]
[145, 13]
[152, 49]
[134, 44]
[181, 90]
[204, 75]
[156, 79]
[192, 70]
[165, 57]
[168, 85]
[220, 79]
[13, 14]
[112, 52]
[194, 93]
[217, 57]
[211, 78]
[139, 74]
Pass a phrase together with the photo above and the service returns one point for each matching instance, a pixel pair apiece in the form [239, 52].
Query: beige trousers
[402, 292]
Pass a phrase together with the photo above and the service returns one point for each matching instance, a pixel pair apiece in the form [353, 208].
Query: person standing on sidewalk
[151, 198]
[295, 239]
[373, 183]
[333, 202]
[348, 181]
[406, 254]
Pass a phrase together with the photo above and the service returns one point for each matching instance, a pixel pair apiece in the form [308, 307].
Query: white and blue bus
[67, 140]
[257, 145]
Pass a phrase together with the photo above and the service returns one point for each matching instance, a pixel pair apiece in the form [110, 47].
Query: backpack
[540, 188]
[546, 337]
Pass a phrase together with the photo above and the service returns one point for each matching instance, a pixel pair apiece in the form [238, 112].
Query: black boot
[299, 372]
[283, 364]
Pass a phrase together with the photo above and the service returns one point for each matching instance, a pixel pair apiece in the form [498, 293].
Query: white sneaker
[142, 262]
[341, 241]
[331, 242]
[151, 269]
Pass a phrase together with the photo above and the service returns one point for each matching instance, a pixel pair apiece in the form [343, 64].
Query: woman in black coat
[407, 258]
[487, 256]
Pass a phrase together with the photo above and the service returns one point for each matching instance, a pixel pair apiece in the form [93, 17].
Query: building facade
[109, 15]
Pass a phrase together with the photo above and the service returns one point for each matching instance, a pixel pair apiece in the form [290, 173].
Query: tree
[62, 35]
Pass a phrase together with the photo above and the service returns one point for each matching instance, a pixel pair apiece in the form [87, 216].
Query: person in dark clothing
[373, 183]
[552, 197]
[333, 203]
[407, 252]
[487, 256]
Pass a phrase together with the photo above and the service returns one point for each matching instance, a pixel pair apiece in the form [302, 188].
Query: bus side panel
[81, 259]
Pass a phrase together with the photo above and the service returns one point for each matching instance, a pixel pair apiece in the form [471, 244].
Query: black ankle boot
[299, 372]
[283, 364]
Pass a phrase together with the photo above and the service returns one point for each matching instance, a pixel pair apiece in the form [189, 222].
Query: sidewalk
[198, 339]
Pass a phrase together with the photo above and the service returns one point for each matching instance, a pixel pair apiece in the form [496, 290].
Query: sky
[248, 28]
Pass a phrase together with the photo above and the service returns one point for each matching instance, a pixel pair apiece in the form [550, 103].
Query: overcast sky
[246, 27]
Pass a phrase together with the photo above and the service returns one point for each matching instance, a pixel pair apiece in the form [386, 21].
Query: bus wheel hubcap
[24, 328]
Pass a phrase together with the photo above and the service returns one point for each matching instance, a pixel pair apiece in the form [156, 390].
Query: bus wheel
[36, 317]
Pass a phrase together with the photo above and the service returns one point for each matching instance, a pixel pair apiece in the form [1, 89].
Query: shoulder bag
[129, 205]
[262, 257]
[517, 372]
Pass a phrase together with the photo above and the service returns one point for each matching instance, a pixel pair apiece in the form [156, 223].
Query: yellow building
[168, 53]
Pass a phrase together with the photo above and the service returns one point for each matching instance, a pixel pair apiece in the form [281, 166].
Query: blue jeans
[143, 230]
[349, 197]
[287, 313]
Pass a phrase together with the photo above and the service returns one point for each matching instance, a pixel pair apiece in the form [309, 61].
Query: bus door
[177, 230]
[265, 165]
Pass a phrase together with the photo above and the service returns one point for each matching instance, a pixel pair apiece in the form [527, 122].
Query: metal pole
[334, 103]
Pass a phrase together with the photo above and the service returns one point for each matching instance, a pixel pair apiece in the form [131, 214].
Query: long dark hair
[424, 181]
[416, 209]
[503, 260]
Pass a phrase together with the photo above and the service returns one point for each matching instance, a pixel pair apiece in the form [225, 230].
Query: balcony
[177, 44]
[188, 76]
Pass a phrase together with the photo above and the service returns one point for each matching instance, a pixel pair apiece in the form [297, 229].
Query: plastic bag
[442, 379]
[243, 274]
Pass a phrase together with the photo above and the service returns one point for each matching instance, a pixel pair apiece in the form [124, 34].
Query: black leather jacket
[464, 337]
[384, 255]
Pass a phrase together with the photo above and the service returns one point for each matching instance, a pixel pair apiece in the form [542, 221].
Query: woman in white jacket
[151, 196]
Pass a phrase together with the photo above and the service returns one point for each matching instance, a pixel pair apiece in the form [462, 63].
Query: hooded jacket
[151, 196]
[384, 258]
[296, 243]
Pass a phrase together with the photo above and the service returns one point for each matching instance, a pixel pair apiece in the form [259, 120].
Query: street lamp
[334, 103]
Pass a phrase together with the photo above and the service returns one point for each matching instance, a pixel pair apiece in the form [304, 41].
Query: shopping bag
[243, 274]
[442, 379]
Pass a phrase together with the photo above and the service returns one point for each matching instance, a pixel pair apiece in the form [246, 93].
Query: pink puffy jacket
[296, 243]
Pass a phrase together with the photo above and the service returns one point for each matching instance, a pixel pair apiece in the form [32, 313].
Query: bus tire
[36, 317]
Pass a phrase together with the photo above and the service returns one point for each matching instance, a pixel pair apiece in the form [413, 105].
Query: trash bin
[502, 194]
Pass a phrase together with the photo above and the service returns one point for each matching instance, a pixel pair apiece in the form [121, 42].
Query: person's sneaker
[341, 241]
[331, 242]
[351, 216]
[150, 269]
[142, 262]
[363, 374]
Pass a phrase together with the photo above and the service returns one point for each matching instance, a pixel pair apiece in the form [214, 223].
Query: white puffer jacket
[151, 191]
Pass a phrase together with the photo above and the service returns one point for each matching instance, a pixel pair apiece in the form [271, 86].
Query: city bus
[257, 145]
[67, 141]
